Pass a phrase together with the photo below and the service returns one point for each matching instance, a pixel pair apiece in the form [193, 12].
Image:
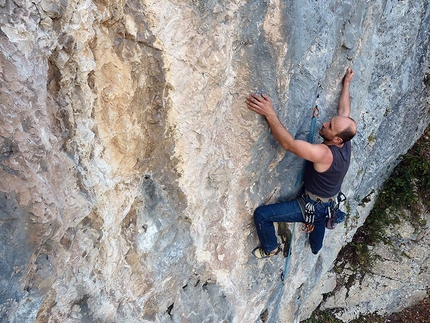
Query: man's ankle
[274, 251]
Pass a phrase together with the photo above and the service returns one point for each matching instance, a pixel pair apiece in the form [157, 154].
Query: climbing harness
[284, 271]
[307, 203]
[334, 215]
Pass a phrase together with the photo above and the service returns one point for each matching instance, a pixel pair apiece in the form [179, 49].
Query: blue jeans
[265, 216]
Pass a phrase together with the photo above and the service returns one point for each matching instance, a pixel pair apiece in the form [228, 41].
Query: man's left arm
[344, 108]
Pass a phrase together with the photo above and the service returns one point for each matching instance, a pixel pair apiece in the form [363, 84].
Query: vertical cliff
[131, 166]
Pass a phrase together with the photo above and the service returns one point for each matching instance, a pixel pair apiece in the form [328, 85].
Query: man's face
[330, 129]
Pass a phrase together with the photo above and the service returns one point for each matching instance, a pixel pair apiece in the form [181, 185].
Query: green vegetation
[322, 316]
[409, 181]
[371, 138]
[408, 184]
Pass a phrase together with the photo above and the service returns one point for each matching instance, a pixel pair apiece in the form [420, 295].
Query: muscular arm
[317, 153]
[344, 108]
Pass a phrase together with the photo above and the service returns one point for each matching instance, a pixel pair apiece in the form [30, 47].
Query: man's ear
[337, 140]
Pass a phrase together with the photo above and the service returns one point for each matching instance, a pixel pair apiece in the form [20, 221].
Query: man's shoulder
[348, 145]
[345, 146]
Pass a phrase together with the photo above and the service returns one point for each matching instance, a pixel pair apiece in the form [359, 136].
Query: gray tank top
[328, 183]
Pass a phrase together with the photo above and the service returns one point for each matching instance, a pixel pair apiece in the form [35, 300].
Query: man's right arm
[344, 108]
[317, 153]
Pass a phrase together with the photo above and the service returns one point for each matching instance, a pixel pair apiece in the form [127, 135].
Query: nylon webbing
[311, 137]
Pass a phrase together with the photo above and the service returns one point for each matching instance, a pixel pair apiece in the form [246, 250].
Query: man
[326, 166]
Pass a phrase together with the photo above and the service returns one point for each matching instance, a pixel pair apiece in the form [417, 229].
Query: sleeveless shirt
[328, 183]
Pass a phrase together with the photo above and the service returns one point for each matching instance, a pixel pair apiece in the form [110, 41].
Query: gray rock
[399, 278]
[131, 166]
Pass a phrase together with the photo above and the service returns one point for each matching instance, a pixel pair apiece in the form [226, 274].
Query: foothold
[264, 316]
[170, 308]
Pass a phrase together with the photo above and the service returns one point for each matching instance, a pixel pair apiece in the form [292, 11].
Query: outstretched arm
[344, 108]
[263, 105]
[319, 154]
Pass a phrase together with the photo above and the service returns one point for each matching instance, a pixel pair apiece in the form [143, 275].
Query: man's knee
[259, 215]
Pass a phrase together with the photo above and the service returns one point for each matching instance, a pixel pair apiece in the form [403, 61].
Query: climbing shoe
[260, 253]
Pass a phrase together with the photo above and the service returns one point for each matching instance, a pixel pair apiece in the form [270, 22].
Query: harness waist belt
[314, 197]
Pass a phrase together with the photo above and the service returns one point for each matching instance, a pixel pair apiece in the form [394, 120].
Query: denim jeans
[265, 216]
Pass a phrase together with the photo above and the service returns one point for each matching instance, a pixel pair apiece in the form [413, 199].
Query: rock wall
[131, 166]
[399, 278]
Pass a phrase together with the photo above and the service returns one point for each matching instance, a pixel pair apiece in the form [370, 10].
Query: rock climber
[326, 166]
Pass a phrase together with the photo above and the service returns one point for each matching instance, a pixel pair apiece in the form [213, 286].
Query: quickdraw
[313, 127]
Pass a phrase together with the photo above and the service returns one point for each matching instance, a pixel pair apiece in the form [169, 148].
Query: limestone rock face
[399, 278]
[131, 166]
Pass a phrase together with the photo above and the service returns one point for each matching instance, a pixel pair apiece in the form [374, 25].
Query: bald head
[347, 127]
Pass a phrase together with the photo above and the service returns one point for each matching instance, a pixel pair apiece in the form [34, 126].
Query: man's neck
[331, 143]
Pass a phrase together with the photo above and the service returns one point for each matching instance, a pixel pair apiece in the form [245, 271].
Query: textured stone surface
[399, 278]
[130, 165]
